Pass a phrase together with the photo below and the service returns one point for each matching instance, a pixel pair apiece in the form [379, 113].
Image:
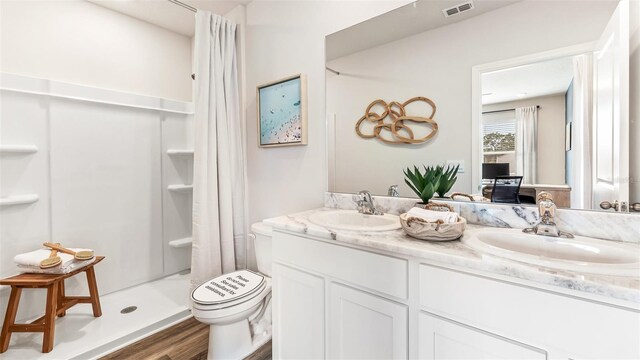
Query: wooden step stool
[57, 303]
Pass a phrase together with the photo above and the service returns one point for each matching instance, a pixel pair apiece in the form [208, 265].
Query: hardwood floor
[187, 340]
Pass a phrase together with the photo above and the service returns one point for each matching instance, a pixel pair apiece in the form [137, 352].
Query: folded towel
[31, 261]
[433, 216]
[74, 265]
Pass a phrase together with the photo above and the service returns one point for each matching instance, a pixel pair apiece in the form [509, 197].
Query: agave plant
[447, 178]
[423, 184]
[435, 180]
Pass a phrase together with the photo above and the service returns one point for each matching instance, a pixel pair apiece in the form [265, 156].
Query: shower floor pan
[78, 335]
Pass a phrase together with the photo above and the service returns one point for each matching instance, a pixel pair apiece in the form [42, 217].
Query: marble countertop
[618, 290]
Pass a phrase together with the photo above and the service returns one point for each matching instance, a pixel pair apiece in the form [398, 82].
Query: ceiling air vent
[458, 9]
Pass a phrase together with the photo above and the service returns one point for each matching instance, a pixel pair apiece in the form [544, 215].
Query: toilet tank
[262, 243]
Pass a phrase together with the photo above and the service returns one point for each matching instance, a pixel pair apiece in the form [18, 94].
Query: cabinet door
[298, 314]
[443, 339]
[365, 326]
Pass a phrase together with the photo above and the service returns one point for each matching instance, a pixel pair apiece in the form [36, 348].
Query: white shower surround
[101, 173]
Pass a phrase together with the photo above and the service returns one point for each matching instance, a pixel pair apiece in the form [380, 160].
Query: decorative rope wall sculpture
[396, 112]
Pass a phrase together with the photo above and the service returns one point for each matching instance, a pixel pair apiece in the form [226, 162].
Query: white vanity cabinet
[339, 301]
[298, 309]
[441, 338]
[358, 309]
[533, 320]
[365, 326]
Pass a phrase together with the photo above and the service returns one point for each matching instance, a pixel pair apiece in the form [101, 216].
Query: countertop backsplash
[597, 224]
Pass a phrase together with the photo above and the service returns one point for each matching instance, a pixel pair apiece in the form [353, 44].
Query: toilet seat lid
[228, 287]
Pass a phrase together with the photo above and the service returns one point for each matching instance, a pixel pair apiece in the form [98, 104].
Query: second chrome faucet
[365, 203]
[547, 225]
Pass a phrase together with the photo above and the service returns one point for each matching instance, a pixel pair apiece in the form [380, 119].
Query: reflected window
[499, 141]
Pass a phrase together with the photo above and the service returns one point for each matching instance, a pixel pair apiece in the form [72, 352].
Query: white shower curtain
[218, 183]
[526, 150]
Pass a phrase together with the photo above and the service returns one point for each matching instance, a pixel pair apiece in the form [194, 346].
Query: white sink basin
[579, 254]
[354, 221]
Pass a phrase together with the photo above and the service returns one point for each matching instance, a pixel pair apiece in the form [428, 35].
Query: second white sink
[580, 254]
[354, 221]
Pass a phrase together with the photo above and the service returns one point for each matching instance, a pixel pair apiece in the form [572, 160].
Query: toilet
[237, 305]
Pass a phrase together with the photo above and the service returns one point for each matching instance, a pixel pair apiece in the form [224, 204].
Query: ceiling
[533, 80]
[415, 18]
[168, 15]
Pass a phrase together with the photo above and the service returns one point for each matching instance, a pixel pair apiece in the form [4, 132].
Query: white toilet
[237, 305]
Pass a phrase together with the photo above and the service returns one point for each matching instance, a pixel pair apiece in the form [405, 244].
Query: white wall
[79, 42]
[284, 38]
[634, 97]
[437, 64]
[551, 137]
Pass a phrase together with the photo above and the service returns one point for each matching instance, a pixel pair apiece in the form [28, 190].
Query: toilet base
[233, 341]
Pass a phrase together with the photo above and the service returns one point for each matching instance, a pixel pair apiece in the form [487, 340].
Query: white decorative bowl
[432, 231]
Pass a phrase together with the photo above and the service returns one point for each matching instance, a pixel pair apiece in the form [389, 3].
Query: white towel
[433, 216]
[30, 262]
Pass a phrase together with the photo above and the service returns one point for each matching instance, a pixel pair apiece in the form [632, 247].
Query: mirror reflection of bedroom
[533, 124]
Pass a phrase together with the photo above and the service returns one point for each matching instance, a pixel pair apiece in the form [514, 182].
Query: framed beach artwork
[282, 112]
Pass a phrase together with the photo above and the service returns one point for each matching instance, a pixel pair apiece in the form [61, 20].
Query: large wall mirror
[531, 94]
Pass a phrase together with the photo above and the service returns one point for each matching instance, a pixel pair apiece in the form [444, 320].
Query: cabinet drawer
[559, 324]
[385, 274]
[444, 339]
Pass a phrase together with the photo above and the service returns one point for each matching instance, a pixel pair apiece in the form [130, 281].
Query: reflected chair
[506, 189]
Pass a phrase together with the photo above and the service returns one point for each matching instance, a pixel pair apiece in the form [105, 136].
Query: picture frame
[282, 112]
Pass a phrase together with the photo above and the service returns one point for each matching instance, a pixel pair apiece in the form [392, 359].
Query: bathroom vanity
[365, 294]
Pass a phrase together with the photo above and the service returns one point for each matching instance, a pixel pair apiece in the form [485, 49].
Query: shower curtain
[526, 150]
[219, 180]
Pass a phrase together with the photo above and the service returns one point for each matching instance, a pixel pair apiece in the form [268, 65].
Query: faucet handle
[365, 195]
[544, 196]
[546, 207]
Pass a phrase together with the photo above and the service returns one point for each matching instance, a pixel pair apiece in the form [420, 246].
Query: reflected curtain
[219, 176]
[582, 137]
[526, 149]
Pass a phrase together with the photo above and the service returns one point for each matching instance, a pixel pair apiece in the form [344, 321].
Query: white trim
[476, 95]
[498, 152]
[45, 87]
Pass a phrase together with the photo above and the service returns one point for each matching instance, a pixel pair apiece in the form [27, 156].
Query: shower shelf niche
[180, 243]
[18, 149]
[18, 199]
[180, 188]
[180, 152]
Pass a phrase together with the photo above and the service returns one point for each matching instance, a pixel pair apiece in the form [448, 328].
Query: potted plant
[448, 177]
[435, 180]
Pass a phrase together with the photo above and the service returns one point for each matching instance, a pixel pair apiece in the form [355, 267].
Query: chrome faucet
[393, 191]
[547, 225]
[365, 203]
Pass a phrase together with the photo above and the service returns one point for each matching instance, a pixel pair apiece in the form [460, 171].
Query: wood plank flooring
[187, 340]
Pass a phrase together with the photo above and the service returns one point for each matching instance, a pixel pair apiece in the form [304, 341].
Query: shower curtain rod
[497, 111]
[333, 71]
[180, 3]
